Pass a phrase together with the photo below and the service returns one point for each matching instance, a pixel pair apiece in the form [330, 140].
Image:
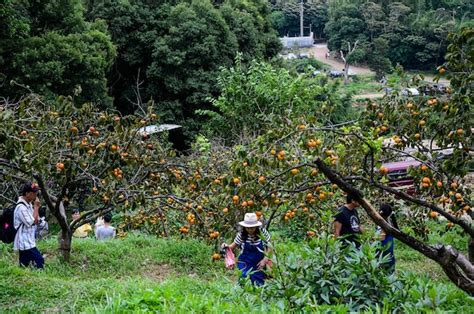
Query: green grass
[367, 84]
[408, 260]
[98, 269]
[412, 261]
[145, 272]
[362, 84]
[184, 295]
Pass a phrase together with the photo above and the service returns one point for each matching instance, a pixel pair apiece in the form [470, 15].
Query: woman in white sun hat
[253, 241]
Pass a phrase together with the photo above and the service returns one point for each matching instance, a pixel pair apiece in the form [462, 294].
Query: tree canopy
[49, 48]
[410, 33]
[171, 51]
[414, 32]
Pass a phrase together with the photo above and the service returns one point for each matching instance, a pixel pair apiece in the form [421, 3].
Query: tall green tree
[346, 25]
[377, 57]
[49, 48]
[185, 60]
[171, 51]
[251, 96]
[286, 17]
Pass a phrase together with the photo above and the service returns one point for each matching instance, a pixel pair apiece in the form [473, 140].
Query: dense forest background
[122, 53]
[411, 33]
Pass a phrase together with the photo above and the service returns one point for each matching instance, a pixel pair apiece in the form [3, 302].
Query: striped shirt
[253, 239]
[24, 223]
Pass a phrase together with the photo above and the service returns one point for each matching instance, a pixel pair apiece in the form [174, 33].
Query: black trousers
[31, 255]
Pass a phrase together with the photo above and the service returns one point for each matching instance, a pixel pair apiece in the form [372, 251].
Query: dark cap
[385, 210]
[29, 187]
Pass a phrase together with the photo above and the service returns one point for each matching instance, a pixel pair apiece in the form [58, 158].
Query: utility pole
[301, 18]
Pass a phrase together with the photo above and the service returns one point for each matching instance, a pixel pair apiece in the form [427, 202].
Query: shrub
[323, 273]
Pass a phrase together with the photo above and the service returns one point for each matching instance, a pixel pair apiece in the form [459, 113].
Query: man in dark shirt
[347, 223]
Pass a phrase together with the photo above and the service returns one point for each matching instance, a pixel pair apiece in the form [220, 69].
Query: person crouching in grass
[83, 230]
[105, 231]
[253, 241]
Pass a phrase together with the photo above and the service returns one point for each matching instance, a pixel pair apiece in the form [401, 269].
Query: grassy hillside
[144, 273]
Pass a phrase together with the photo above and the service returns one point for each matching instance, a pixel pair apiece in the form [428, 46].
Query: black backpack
[7, 228]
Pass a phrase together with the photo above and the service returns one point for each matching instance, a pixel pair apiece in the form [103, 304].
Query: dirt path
[369, 96]
[319, 51]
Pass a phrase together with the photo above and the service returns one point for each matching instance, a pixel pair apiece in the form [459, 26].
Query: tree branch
[373, 214]
[447, 257]
[49, 202]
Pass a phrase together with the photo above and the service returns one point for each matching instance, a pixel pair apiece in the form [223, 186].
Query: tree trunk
[455, 265]
[470, 247]
[346, 73]
[65, 239]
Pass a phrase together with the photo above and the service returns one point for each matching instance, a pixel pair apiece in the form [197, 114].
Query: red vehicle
[398, 175]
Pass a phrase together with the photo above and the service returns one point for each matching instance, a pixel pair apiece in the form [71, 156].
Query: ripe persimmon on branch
[456, 266]
[275, 171]
[95, 160]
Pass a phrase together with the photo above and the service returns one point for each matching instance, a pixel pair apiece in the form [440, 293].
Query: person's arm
[97, 232]
[25, 216]
[233, 246]
[99, 222]
[36, 207]
[337, 228]
[268, 249]
[263, 262]
[339, 219]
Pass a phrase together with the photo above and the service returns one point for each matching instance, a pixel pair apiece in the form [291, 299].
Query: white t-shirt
[105, 232]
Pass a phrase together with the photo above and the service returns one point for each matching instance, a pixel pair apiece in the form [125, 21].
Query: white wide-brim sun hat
[250, 220]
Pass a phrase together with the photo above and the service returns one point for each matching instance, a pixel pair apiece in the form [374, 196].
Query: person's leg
[37, 258]
[257, 277]
[391, 265]
[25, 258]
[242, 266]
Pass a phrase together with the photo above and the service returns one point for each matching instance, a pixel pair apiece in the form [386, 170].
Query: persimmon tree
[80, 156]
[295, 171]
[295, 166]
[438, 130]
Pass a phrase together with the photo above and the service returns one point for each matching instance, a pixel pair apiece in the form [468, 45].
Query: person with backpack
[253, 241]
[25, 218]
